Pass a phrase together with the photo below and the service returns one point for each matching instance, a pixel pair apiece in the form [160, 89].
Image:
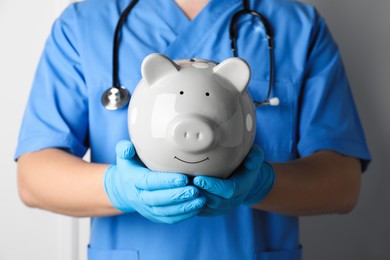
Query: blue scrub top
[316, 111]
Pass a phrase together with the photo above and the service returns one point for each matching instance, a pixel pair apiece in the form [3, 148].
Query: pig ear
[233, 72]
[155, 66]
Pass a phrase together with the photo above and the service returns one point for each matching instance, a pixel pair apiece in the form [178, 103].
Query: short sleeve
[56, 115]
[328, 116]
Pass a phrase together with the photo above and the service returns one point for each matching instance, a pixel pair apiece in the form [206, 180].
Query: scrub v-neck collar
[189, 32]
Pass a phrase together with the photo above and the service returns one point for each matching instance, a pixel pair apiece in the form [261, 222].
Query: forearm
[57, 181]
[322, 183]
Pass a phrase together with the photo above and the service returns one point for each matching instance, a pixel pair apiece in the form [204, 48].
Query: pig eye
[207, 94]
[181, 92]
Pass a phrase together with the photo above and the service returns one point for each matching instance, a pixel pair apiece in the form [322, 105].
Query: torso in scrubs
[316, 111]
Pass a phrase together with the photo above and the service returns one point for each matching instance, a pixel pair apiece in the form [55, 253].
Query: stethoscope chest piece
[115, 98]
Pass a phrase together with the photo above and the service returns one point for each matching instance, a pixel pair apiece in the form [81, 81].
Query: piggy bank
[192, 116]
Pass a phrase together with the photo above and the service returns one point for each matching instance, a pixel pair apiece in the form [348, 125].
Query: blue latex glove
[248, 185]
[162, 197]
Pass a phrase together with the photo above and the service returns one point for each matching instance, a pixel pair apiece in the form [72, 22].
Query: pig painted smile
[177, 158]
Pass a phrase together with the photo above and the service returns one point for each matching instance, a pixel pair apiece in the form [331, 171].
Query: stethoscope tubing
[269, 34]
[118, 96]
[115, 51]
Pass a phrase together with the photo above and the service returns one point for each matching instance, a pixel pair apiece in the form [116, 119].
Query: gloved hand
[162, 197]
[248, 185]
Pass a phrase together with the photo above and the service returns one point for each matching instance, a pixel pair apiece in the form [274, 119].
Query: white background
[27, 233]
[361, 28]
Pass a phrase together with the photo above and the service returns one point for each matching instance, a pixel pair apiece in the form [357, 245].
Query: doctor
[312, 144]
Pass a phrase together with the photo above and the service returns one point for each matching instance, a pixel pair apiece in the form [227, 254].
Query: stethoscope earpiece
[272, 102]
[115, 98]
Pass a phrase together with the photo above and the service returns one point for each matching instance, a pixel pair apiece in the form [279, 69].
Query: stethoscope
[118, 96]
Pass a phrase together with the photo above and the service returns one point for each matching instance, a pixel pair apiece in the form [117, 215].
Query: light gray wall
[27, 233]
[362, 30]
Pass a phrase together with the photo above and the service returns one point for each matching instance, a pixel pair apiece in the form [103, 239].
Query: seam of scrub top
[311, 146]
[39, 142]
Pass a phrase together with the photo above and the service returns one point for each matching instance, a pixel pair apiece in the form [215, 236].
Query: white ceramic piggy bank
[192, 116]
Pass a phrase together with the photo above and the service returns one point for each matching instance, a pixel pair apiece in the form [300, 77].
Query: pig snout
[193, 134]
